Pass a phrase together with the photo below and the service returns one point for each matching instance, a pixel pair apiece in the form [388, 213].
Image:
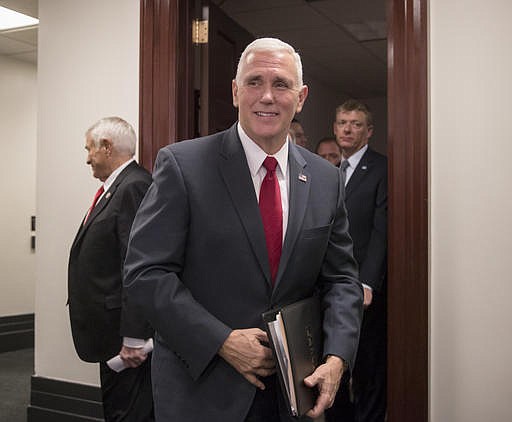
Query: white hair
[116, 130]
[272, 45]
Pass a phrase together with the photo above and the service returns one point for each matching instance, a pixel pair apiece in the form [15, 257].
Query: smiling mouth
[265, 114]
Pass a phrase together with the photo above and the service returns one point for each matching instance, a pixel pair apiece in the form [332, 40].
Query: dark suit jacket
[197, 265]
[98, 318]
[366, 200]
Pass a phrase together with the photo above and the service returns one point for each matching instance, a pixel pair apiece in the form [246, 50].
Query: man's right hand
[133, 356]
[244, 351]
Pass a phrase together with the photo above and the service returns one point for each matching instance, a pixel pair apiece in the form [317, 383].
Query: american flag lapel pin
[107, 195]
[303, 177]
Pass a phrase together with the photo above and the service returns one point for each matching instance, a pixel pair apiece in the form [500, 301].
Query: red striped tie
[272, 214]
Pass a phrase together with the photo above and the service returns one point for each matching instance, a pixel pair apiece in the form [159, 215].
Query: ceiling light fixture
[10, 19]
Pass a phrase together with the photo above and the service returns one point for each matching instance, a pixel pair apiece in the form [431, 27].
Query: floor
[16, 368]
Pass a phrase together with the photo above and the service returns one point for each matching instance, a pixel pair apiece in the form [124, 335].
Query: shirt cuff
[134, 343]
[368, 287]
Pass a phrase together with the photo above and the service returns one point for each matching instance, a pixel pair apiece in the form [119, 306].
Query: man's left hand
[132, 356]
[327, 379]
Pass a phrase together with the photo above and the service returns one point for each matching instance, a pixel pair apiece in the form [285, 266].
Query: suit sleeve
[372, 270]
[342, 291]
[154, 262]
[133, 323]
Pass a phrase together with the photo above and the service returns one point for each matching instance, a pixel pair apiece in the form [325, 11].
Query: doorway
[166, 114]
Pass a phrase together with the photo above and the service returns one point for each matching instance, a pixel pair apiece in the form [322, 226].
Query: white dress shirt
[353, 161]
[255, 157]
[113, 176]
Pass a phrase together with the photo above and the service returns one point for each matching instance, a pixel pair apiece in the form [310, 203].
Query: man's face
[352, 131]
[268, 97]
[298, 134]
[97, 159]
[330, 151]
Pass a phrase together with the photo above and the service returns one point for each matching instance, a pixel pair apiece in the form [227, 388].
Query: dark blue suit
[366, 203]
[197, 265]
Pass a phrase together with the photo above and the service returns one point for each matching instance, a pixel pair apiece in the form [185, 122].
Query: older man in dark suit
[234, 224]
[365, 173]
[101, 322]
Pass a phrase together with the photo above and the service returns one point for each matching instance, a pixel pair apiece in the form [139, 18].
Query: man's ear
[107, 144]
[303, 93]
[234, 90]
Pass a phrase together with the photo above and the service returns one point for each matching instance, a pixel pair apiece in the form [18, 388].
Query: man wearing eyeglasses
[365, 174]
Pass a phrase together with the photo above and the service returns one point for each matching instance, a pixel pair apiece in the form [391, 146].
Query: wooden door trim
[408, 210]
[166, 110]
[166, 107]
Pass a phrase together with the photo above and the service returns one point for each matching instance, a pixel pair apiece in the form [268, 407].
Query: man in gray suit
[203, 265]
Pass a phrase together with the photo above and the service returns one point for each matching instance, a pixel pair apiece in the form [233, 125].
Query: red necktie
[96, 197]
[272, 214]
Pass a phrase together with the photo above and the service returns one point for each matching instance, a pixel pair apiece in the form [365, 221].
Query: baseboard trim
[61, 401]
[16, 332]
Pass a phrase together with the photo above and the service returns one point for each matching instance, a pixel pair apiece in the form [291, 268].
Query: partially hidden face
[330, 151]
[298, 134]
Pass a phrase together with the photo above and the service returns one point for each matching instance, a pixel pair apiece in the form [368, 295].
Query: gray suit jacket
[198, 268]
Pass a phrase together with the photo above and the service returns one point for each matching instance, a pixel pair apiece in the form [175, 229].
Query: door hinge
[199, 31]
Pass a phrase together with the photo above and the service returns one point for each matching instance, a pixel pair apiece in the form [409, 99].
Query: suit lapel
[236, 175]
[235, 172]
[300, 183]
[100, 206]
[359, 174]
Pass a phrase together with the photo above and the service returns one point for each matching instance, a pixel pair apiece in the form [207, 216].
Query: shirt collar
[255, 155]
[110, 180]
[354, 159]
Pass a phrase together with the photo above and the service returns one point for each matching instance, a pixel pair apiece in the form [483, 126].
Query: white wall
[471, 209]
[88, 68]
[17, 185]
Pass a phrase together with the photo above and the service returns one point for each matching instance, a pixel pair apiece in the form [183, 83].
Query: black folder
[296, 338]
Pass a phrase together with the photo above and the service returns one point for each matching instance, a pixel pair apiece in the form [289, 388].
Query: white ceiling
[325, 32]
[20, 44]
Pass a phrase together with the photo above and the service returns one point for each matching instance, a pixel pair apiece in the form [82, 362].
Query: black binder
[296, 338]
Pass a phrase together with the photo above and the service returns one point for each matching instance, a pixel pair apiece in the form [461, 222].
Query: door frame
[408, 205]
[165, 116]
